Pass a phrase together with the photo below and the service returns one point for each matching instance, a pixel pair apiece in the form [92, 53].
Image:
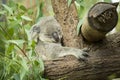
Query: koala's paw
[79, 54]
[82, 55]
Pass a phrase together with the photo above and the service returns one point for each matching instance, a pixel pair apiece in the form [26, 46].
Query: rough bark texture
[68, 18]
[104, 60]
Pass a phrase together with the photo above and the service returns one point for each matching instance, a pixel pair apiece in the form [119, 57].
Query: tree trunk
[68, 19]
[104, 61]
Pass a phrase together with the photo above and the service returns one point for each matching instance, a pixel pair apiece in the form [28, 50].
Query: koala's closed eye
[55, 36]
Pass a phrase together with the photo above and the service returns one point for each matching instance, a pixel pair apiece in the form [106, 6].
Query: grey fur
[47, 46]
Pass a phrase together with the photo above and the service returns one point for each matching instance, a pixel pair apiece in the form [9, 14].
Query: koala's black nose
[55, 36]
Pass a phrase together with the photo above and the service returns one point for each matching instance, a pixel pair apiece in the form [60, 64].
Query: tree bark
[104, 61]
[68, 19]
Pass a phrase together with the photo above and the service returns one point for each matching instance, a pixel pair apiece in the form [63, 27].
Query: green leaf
[22, 73]
[9, 49]
[8, 9]
[69, 2]
[79, 26]
[2, 12]
[39, 11]
[79, 1]
[41, 65]
[17, 42]
[24, 64]
[16, 76]
[26, 18]
[30, 12]
[11, 32]
[23, 8]
[24, 68]
[107, 0]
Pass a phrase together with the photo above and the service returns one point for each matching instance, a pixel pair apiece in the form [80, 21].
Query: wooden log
[101, 18]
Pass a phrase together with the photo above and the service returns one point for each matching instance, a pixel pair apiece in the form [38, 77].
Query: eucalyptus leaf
[23, 8]
[8, 9]
[79, 26]
[41, 65]
[79, 1]
[17, 42]
[26, 18]
[24, 64]
[16, 76]
[22, 73]
[69, 2]
[107, 0]
[2, 12]
[39, 11]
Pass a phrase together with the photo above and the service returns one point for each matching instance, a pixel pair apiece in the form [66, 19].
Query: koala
[47, 34]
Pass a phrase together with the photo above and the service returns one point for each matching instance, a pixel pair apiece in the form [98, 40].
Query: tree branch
[104, 60]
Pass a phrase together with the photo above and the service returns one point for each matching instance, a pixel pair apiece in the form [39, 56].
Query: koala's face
[47, 30]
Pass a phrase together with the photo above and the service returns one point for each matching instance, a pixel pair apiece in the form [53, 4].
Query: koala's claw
[86, 49]
[83, 56]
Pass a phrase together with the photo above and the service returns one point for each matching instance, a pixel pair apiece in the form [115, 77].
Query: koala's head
[46, 30]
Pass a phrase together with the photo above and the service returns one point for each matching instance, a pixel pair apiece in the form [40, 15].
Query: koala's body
[48, 34]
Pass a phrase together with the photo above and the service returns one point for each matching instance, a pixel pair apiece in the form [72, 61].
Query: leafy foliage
[18, 60]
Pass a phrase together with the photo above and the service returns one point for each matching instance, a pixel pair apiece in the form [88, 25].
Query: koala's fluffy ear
[34, 33]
